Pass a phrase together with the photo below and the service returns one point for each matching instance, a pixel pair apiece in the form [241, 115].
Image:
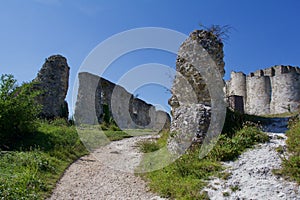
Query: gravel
[106, 173]
[252, 178]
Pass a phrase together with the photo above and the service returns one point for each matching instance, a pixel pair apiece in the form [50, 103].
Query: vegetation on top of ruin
[221, 32]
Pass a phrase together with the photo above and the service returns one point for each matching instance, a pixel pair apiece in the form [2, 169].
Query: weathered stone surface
[191, 99]
[190, 124]
[88, 93]
[273, 90]
[214, 47]
[100, 100]
[53, 80]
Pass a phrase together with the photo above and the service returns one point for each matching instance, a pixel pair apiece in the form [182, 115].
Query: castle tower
[237, 85]
[258, 95]
[285, 90]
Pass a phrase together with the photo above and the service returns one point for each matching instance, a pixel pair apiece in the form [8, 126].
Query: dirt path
[108, 174]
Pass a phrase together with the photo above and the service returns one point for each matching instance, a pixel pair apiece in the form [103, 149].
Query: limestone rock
[191, 99]
[214, 47]
[190, 124]
[53, 81]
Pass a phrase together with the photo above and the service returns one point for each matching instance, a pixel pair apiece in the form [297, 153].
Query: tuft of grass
[94, 136]
[32, 167]
[154, 145]
[148, 146]
[234, 188]
[229, 148]
[116, 135]
[226, 194]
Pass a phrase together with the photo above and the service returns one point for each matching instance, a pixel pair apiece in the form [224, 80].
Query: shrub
[19, 109]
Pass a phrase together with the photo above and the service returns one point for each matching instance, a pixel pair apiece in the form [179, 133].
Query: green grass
[154, 145]
[291, 165]
[32, 166]
[95, 136]
[116, 135]
[184, 178]
[286, 114]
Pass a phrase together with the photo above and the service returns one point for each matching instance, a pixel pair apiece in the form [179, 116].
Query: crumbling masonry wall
[191, 100]
[99, 99]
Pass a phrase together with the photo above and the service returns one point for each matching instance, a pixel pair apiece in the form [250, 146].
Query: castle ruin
[100, 100]
[274, 90]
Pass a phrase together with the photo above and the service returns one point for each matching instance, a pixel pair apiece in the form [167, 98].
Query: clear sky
[265, 32]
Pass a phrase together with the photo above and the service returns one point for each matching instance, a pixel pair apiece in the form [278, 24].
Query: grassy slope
[31, 169]
[184, 178]
[291, 165]
[33, 165]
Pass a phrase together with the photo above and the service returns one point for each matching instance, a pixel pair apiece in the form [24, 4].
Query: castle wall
[273, 90]
[87, 96]
[98, 97]
[258, 95]
[285, 93]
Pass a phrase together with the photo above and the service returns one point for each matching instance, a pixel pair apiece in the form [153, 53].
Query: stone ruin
[191, 100]
[53, 81]
[274, 90]
[99, 99]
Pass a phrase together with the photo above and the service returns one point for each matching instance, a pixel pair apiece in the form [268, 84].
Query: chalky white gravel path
[252, 177]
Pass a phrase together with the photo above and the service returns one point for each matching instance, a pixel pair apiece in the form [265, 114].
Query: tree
[18, 109]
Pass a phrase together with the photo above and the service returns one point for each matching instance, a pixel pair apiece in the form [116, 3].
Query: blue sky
[264, 33]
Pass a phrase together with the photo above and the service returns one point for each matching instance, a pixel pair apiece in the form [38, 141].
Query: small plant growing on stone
[234, 188]
[221, 32]
[226, 194]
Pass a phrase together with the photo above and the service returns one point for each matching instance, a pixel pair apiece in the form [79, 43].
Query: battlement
[276, 70]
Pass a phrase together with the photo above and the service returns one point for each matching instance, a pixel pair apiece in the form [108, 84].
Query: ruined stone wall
[87, 96]
[273, 90]
[53, 81]
[126, 110]
[187, 72]
[191, 100]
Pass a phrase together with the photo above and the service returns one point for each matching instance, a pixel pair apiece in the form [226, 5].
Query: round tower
[237, 84]
[258, 95]
[285, 93]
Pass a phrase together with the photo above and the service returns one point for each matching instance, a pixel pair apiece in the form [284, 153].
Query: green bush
[230, 148]
[235, 121]
[19, 109]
